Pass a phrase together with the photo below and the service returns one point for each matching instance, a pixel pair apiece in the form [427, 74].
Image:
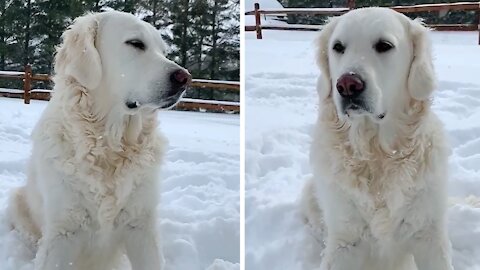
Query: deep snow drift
[199, 209]
[281, 108]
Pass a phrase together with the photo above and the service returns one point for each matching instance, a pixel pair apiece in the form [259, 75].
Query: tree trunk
[3, 42]
[97, 5]
[26, 48]
[213, 64]
[154, 16]
[200, 53]
[183, 47]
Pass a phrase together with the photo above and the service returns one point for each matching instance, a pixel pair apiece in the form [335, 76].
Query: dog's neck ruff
[377, 166]
[365, 138]
[370, 155]
[117, 128]
[99, 150]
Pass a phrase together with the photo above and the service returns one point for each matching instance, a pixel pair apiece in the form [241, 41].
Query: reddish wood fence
[444, 7]
[185, 104]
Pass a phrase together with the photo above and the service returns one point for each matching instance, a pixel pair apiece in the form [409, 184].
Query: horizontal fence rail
[185, 103]
[300, 11]
[228, 85]
[338, 11]
[438, 7]
[443, 7]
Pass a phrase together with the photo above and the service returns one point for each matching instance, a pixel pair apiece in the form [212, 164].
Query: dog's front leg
[432, 249]
[344, 254]
[142, 248]
[58, 250]
[63, 233]
[346, 244]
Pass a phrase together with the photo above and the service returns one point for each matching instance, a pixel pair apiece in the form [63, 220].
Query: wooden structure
[444, 7]
[188, 104]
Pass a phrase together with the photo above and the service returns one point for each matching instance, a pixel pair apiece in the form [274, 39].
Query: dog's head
[122, 59]
[373, 61]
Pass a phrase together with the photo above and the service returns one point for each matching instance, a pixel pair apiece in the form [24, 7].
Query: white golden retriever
[379, 155]
[92, 191]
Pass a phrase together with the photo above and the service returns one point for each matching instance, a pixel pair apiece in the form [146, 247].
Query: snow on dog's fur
[379, 154]
[92, 191]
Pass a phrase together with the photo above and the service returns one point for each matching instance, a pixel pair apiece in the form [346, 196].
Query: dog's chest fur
[382, 190]
[382, 184]
[107, 177]
[111, 179]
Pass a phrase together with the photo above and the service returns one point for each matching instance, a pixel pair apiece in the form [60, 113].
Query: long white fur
[92, 186]
[379, 186]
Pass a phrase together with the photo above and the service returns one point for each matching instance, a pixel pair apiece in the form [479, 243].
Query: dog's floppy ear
[421, 78]
[77, 56]
[324, 83]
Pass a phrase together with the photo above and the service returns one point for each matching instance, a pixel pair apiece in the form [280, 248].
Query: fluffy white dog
[379, 155]
[92, 191]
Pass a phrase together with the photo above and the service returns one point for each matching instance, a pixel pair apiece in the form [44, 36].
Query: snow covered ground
[199, 212]
[265, 19]
[281, 105]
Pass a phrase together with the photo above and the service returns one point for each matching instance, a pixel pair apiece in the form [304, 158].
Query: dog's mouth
[170, 101]
[163, 103]
[352, 107]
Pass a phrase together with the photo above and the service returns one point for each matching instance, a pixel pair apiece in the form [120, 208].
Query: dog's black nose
[180, 78]
[350, 85]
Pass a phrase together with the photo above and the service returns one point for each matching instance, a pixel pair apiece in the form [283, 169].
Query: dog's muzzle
[179, 80]
[351, 86]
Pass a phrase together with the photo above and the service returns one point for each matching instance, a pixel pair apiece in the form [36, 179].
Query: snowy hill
[199, 209]
[281, 103]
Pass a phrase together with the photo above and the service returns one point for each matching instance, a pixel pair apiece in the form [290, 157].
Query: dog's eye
[339, 47]
[138, 44]
[383, 46]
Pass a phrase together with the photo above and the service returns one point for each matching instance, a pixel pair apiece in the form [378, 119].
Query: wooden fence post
[478, 23]
[27, 84]
[351, 4]
[258, 23]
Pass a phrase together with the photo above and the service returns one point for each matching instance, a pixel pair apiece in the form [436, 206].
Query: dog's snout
[180, 78]
[350, 85]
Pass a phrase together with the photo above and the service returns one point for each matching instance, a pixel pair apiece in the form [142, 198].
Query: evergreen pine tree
[203, 34]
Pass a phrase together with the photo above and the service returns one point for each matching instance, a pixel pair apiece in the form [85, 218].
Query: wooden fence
[185, 104]
[444, 7]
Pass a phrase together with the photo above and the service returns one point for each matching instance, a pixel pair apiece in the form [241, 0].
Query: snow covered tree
[154, 12]
[224, 28]
[205, 38]
[203, 34]
[10, 39]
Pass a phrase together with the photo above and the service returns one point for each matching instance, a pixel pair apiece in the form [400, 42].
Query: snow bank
[199, 209]
[281, 108]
